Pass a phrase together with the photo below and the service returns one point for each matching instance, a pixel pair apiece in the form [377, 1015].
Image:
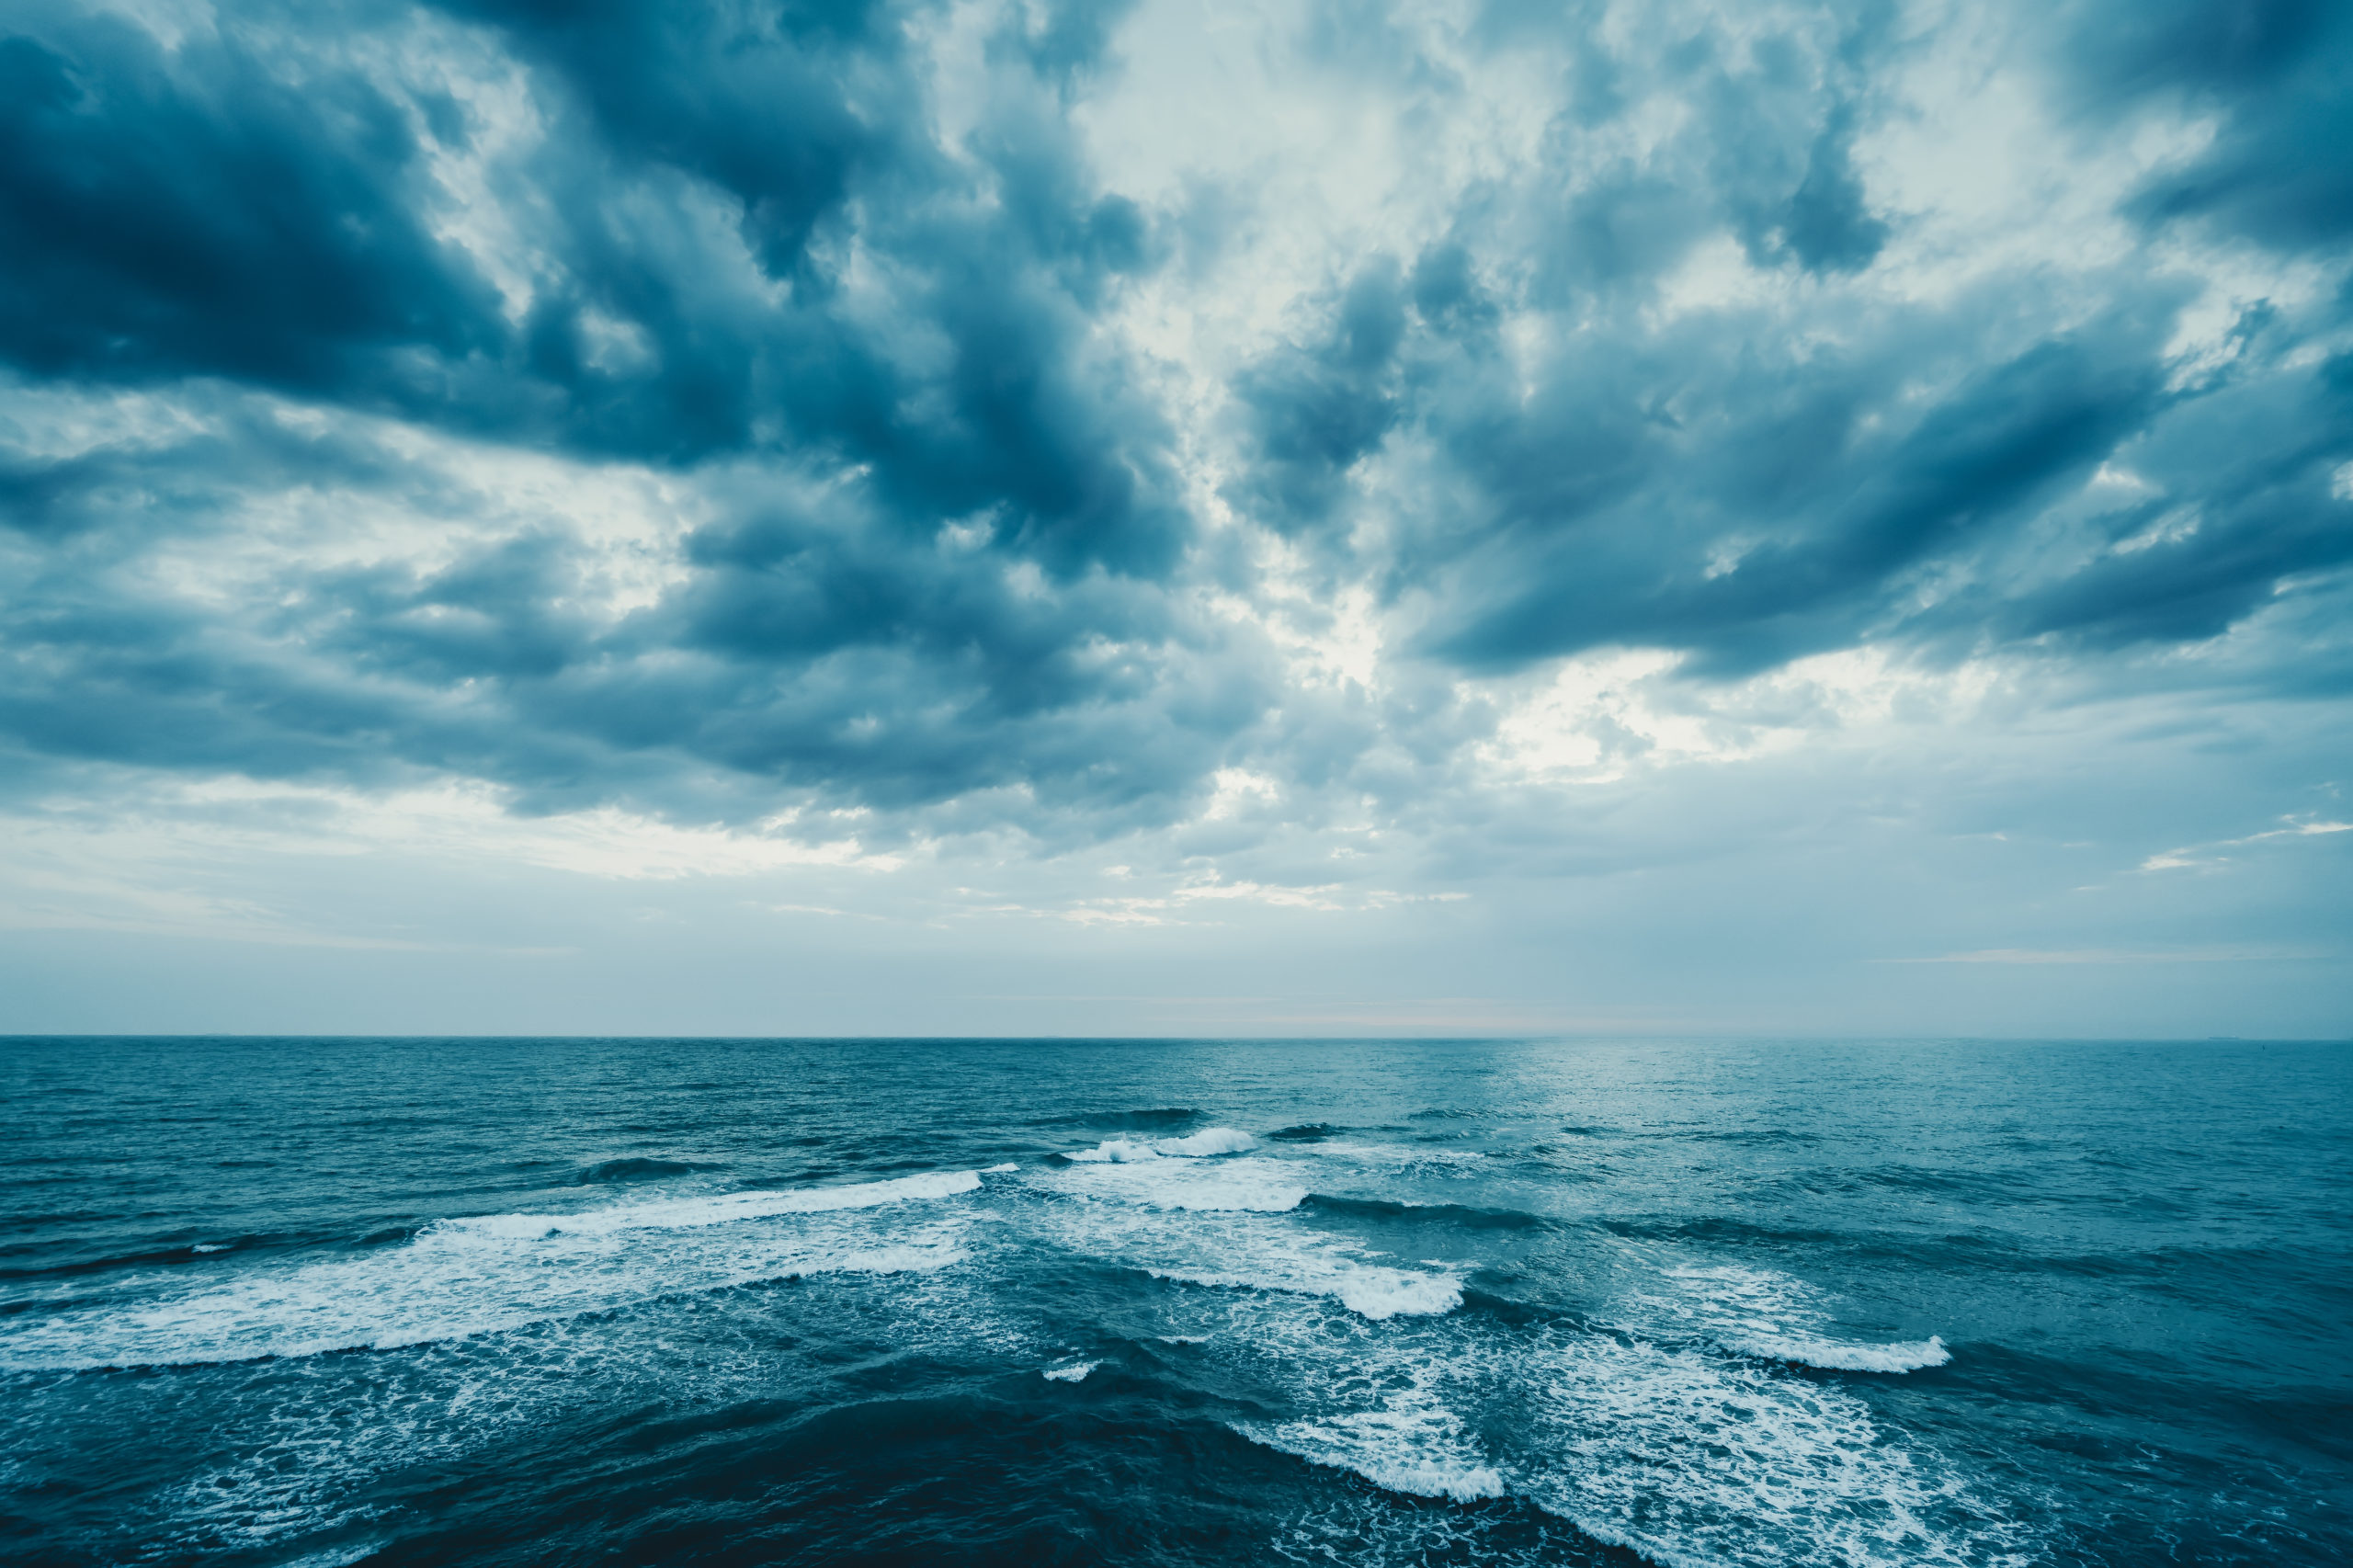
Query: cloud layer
[1351, 448]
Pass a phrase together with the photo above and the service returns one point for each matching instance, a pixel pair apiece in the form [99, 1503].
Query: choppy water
[328, 1301]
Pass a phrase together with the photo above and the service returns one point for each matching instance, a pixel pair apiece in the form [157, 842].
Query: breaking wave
[1204, 1144]
[463, 1276]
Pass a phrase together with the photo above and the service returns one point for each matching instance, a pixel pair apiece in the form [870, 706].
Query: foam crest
[1204, 1144]
[1760, 1313]
[1408, 1437]
[1370, 1290]
[1830, 1355]
[1687, 1458]
[1070, 1372]
[1419, 1453]
[1681, 1455]
[1245, 1184]
[1227, 1226]
[500, 1272]
[680, 1213]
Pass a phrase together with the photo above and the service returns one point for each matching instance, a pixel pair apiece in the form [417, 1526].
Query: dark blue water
[328, 1301]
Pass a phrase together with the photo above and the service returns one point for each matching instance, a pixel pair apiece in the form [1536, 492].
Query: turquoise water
[731, 1302]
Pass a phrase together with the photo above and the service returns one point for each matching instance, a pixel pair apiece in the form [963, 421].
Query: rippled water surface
[326, 1302]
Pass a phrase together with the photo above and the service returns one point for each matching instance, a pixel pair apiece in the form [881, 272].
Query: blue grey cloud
[180, 218]
[936, 513]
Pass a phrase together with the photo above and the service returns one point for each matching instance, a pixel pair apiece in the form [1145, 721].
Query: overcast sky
[1191, 515]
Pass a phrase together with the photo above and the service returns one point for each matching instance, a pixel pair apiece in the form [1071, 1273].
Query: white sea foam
[1830, 1355]
[1767, 1314]
[678, 1213]
[1680, 1454]
[1225, 1225]
[465, 1277]
[1367, 1289]
[1381, 1403]
[1411, 1443]
[1257, 1184]
[1204, 1144]
[1070, 1372]
[999, 1170]
[1378, 1293]
[1391, 1454]
[1687, 1458]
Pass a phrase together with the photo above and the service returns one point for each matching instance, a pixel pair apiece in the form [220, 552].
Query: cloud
[916, 507]
[1311, 458]
[190, 211]
[2274, 73]
[2209, 855]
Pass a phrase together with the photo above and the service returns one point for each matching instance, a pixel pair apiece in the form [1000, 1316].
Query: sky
[1176, 517]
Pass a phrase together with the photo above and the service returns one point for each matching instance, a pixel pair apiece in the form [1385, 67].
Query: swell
[1154, 1119]
[1675, 1455]
[2205, 1276]
[1455, 1215]
[1832, 1356]
[2299, 1416]
[681, 1214]
[1305, 1133]
[613, 1173]
[457, 1277]
[1208, 1143]
[151, 1257]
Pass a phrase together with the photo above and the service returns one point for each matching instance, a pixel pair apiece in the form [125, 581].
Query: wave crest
[1831, 1357]
[1204, 1144]
[684, 1213]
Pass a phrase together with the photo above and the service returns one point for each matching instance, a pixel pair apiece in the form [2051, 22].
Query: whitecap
[1767, 1314]
[1227, 1225]
[1205, 1144]
[680, 1213]
[1070, 1372]
[1679, 1454]
[1394, 1452]
[497, 1272]
[1385, 1410]
[1830, 1355]
[1684, 1457]
[1252, 1185]
[1367, 1289]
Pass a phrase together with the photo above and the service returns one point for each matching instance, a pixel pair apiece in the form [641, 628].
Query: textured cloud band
[1036, 415]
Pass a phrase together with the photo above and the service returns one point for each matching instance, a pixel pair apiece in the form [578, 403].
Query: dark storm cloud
[1794, 559]
[795, 112]
[166, 214]
[939, 535]
[1751, 484]
[811, 647]
[184, 212]
[1314, 410]
[2279, 74]
[1656, 491]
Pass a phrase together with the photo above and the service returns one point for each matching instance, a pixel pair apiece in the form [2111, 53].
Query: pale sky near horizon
[1178, 517]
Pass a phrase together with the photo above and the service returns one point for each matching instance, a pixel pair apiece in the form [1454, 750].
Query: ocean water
[396, 1301]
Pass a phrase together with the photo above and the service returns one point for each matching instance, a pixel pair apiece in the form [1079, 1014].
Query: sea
[317, 1302]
